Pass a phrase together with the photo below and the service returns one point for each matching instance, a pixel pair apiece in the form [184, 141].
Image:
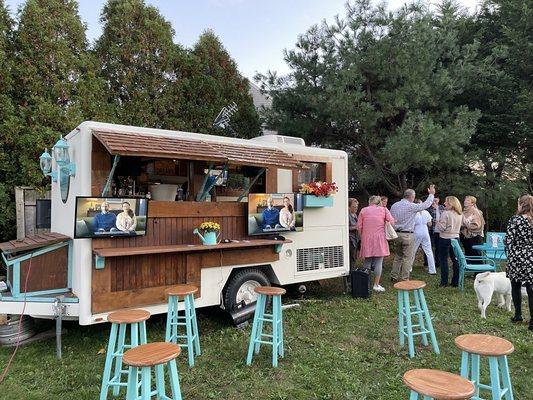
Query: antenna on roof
[224, 116]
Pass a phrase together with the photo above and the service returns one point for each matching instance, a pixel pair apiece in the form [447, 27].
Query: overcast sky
[255, 32]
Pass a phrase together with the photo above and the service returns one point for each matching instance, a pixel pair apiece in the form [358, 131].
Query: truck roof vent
[280, 139]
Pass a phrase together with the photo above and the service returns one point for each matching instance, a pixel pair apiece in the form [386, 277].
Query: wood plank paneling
[48, 271]
[184, 209]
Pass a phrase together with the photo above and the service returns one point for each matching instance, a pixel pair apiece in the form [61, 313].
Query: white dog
[488, 283]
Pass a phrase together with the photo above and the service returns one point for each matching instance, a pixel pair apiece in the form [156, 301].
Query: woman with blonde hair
[472, 227]
[449, 226]
[519, 249]
[374, 245]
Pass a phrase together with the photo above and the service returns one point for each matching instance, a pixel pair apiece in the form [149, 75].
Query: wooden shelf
[181, 248]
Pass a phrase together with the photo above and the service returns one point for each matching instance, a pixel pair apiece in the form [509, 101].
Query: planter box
[310, 200]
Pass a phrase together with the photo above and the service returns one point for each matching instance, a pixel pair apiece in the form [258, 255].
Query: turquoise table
[494, 253]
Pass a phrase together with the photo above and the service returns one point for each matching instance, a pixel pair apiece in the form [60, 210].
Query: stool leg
[495, 378]
[506, 378]
[420, 317]
[260, 308]
[195, 327]
[146, 386]
[407, 308]
[132, 392]
[174, 380]
[175, 317]
[160, 381]
[134, 335]
[142, 327]
[108, 362]
[400, 318]
[275, 334]
[465, 365]
[475, 373]
[189, 333]
[118, 361]
[254, 329]
[282, 344]
[429, 324]
[170, 318]
[413, 396]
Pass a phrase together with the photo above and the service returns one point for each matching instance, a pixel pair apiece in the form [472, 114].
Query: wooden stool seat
[438, 384]
[410, 285]
[128, 316]
[484, 345]
[181, 290]
[151, 354]
[270, 290]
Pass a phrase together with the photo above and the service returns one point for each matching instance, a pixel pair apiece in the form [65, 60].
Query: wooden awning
[136, 144]
[32, 242]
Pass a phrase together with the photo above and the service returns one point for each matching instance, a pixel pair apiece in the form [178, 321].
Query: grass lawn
[336, 348]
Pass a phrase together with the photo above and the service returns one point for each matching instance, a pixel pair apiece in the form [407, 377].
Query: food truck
[126, 205]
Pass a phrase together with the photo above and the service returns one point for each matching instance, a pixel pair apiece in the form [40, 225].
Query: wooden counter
[138, 276]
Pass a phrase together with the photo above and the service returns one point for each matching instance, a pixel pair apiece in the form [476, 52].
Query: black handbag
[360, 282]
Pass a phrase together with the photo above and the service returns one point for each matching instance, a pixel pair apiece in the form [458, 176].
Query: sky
[255, 32]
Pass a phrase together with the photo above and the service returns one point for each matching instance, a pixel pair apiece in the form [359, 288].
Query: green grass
[336, 348]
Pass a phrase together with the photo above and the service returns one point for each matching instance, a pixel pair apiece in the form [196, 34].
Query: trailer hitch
[59, 311]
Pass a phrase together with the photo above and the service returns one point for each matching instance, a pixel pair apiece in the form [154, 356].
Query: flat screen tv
[101, 217]
[275, 213]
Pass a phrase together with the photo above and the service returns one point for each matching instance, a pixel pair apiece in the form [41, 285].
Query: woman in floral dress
[519, 250]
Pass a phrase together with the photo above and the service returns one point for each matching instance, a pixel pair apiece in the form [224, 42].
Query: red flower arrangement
[319, 189]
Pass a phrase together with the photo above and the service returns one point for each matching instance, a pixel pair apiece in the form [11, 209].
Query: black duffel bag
[360, 282]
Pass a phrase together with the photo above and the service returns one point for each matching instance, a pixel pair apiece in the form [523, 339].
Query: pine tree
[212, 82]
[137, 56]
[50, 48]
[8, 127]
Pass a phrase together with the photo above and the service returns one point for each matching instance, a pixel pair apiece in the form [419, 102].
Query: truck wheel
[240, 289]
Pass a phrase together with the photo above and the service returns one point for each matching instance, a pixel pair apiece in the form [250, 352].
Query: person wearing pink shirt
[374, 245]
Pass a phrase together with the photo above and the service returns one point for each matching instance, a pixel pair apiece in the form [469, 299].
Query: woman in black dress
[519, 250]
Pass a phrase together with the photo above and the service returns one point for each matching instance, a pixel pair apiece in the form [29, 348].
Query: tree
[381, 86]
[8, 126]
[209, 80]
[138, 59]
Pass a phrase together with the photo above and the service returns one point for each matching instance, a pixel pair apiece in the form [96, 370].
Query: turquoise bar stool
[258, 337]
[120, 321]
[407, 314]
[141, 360]
[435, 384]
[191, 338]
[474, 346]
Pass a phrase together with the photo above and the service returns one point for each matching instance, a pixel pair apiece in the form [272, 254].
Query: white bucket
[164, 192]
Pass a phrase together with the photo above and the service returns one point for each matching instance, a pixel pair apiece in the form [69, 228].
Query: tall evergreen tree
[210, 81]
[50, 45]
[8, 126]
[137, 57]
[381, 86]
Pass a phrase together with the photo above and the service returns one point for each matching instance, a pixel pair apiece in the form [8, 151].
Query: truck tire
[240, 288]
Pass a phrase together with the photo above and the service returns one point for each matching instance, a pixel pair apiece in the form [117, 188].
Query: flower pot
[310, 200]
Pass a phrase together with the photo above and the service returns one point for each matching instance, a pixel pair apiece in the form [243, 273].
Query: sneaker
[517, 318]
[378, 288]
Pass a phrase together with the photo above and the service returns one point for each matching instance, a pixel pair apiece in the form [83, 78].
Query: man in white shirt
[404, 213]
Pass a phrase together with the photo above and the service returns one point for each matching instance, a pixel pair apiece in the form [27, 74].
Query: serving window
[315, 172]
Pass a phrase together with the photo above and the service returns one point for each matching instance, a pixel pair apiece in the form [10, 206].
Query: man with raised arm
[404, 213]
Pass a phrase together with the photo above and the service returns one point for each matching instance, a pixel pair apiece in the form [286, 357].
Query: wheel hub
[246, 292]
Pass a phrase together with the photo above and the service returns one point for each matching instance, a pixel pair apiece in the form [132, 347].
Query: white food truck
[125, 204]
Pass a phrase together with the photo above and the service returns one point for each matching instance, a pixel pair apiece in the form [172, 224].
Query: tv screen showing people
[110, 217]
[274, 213]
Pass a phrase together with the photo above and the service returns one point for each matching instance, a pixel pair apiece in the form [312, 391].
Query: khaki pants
[403, 260]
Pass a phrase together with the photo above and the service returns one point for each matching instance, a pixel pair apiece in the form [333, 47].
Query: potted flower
[211, 232]
[318, 194]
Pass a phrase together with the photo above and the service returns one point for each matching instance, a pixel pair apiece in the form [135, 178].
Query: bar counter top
[182, 248]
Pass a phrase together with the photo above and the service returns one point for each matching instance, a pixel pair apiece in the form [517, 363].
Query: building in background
[261, 101]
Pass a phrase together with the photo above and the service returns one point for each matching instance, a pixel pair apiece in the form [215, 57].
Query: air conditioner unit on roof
[280, 139]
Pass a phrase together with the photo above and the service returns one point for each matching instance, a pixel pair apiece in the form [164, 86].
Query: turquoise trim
[245, 192]
[69, 263]
[99, 262]
[212, 184]
[206, 177]
[38, 299]
[277, 248]
[110, 176]
[15, 290]
[46, 292]
[42, 251]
